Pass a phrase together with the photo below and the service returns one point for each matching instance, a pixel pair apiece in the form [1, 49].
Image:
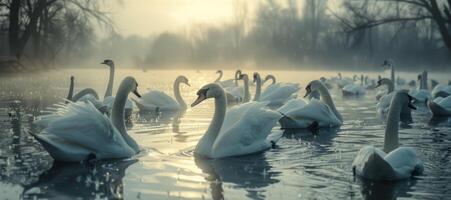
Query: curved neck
[177, 95]
[246, 89]
[71, 90]
[424, 81]
[392, 74]
[215, 126]
[268, 77]
[258, 87]
[390, 85]
[220, 76]
[391, 131]
[117, 115]
[109, 89]
[325, 96]
[237, 76]
[84, 92]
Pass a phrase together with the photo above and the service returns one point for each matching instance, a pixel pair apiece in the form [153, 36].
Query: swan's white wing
[441, 87]
[159, 99]
[281, 94]
[421, 95]
[370, 163]
[317, 111]
[227, 83]
[235, 113]
[81, 130]
[248, 134]
[384, 103]
[292, 104]
[444, 102]
[405, 162]
[236, 91]
[270, 89]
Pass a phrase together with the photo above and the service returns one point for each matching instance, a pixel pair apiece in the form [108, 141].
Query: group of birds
[84, 128]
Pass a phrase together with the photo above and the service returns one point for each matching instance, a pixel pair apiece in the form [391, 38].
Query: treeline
[278, 34]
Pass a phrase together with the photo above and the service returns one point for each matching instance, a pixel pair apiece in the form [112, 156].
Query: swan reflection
[373, 190]
[75, 180]
[247, 172]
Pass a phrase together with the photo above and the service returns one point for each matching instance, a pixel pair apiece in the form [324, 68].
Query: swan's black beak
[199, 99]
[136, 93]
[411, 106]
[378, 84]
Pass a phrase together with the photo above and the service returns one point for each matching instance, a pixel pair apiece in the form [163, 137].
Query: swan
[385, 99]
[154, 99]
[354, 89]
[108, 100]
[422, 94]
[342, 82]
[229, 82]
[279, 93]
[81, 132]
[440, 106]
[87, 94]
[297, 113]
[244, 129]
[441, 90]
[394, 163]
[390, 64]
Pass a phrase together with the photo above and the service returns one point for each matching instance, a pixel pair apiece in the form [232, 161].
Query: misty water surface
[302, 166]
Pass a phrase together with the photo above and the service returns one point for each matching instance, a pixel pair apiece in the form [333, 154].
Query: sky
[148, 17]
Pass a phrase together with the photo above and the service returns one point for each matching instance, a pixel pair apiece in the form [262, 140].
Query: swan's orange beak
[199, 99]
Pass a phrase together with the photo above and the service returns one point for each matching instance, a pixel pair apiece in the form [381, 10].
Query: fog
[227, 34]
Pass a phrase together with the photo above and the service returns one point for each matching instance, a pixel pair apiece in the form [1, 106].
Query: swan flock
[245, 121]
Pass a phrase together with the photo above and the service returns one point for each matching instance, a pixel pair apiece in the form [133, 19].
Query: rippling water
[302, 166]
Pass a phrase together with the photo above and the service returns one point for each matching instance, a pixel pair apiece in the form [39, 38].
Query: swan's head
[72, 78]
[383, 81]
[314, 85]
[183, 79]
[130, 84]
[256, 77]
[243, 77]
[219, 72]
[419, 77]
[404, 97]
[211, 90]
[108, 62]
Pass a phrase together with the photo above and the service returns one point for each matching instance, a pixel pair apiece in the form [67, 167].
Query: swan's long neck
[109, 89]
[220, 76]
[237, 76]
[71, 90]
[117, 115]
[177, 95]
[393, 74]
[390, 85]
[424, 81]
[273, 78]
[206, 143]
[391, 131]
[246, 89]
[325, 96]
[258, 88]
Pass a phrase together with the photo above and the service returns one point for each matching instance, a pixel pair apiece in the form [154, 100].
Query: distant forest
[356, 34]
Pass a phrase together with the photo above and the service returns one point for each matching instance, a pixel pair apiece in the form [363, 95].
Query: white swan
[244, 129]
[421, 95]
[384, 101]
[394, 163]
[297, 113]
[441, 90]
[229, 82]
[154, 99]
[354, 89]
[109, 98]
[279, 93]
[80, 131]
[440, 106]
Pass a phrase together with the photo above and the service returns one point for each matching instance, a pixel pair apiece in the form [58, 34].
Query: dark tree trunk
[441, 23]
[13, 33]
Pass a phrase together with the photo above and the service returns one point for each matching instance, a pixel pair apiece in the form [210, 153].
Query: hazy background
[270, 34]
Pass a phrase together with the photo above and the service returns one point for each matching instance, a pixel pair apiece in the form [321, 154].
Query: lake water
[302, 166]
